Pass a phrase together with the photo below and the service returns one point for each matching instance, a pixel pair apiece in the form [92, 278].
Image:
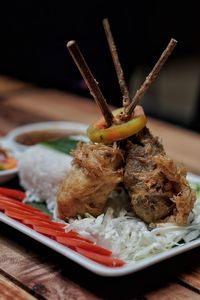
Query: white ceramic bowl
[7, 175]
[71, 126]
[78, 130]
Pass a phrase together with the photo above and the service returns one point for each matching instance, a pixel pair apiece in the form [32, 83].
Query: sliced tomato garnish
[41, 223]
[45, 223]
[73, 242]
[57, 232]
[16, 194]
[103, 259]
[21, 214]
[17, 215]
[48, 231]
[4, 205]
[10, 203]
[73, 234]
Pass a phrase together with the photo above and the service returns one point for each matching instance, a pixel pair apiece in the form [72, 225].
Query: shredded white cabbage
[130, 239]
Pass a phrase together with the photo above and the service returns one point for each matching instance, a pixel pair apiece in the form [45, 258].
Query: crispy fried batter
[156, 184]
[96, 171]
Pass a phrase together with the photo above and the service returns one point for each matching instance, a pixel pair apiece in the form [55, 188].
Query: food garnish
[7, 162]
[13, 208]
[16, 194]
[64, 145]
[100, 133]
[103, 259]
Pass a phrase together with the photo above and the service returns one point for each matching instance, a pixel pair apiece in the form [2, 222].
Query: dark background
[34, 36]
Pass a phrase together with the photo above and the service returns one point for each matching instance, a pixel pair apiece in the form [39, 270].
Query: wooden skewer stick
[90, 81]
[118, 68]
[150, 78]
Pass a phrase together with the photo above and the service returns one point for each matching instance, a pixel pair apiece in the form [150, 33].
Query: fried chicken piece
[156, 184]
[96, 171]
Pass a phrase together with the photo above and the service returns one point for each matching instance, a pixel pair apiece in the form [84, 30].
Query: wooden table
[29, 270]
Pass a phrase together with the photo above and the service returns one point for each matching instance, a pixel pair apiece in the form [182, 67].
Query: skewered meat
[156, 184]
[96, 171]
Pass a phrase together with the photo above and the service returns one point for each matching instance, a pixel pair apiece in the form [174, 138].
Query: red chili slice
[105, 260]
[45, 223]
[73, 234]
[10, 203]
[73, 242]
[16, 215]
[48, 231]
[58, 233]
[12, 193]
[42, 224]
[21, 215]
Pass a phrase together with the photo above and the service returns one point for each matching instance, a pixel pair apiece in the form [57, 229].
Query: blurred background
[33, 49]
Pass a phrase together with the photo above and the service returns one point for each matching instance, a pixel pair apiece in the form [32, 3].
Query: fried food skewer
[149, 79]
[90, 81]
[96, 171]
[118, 68]
[156, 184]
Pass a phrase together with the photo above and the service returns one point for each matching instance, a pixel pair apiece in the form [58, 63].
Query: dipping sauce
[40, 136]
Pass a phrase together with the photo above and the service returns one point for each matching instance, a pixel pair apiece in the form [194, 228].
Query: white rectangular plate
[95, 267]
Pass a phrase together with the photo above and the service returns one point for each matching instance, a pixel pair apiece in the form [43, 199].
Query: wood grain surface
[54, 105]
[29, 264]
[31, 270]
[9, 290]
[172, 291]
[9, 85]
[45, 273]
[34, 105]
[192, 278]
